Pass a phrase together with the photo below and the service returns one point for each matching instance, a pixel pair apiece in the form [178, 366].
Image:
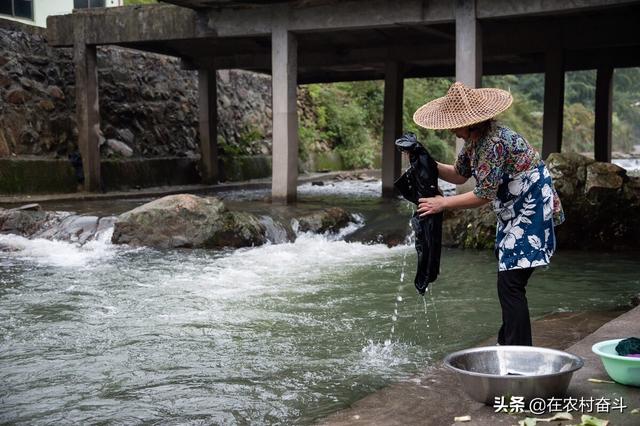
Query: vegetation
[347, 117]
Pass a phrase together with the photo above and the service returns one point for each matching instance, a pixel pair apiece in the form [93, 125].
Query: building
[35, 12]
[319, 41]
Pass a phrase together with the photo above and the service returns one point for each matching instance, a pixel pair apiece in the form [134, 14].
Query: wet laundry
[421, 181]
[629, 347]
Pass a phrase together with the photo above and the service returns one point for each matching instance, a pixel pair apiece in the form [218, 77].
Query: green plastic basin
[623, 369]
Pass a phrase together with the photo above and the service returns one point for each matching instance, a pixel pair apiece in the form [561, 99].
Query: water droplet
[399, 298]
[394, 318]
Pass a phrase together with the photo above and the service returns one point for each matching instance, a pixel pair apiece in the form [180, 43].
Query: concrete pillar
[604, 95]
[284, 70]
[392, 126]
[87, 108]
[553, 102]
[468, 59]
[208, 119]
[468, 44]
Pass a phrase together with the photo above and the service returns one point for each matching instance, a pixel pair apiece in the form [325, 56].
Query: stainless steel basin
[526, 371]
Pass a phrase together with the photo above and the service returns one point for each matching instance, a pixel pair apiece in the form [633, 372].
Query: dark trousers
[516, 326]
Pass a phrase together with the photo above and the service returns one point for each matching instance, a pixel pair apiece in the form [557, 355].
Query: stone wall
[148, 103]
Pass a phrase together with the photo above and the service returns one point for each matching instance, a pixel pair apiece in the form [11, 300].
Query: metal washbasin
[526, 371]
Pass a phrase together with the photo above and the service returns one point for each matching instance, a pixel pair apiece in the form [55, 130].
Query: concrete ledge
[435, 397]
[47, 175]
[245, 168]
[123, 174]
[26, 176]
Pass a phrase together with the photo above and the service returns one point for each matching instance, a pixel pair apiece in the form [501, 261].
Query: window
[17, 8]
[84, 4]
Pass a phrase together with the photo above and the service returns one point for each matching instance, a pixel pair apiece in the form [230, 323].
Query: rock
[73, 228]
[186, 220]
[329, 220]
[17, 96]
[277, 231]
[605, 176]
[25, 82]
[5, 81]
[119, 147]
[27, 222]
[389, 228]
[600, 203]
[569, 171]
[126, 135]
[55, 92]
[46, 105]
[473, 228]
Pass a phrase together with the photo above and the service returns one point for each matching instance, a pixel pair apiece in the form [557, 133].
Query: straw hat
[461, 107]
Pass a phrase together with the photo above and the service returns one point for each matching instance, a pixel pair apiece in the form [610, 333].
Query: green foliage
[348, 117]
[250, 134]
[577, 128]
[525, 114]
[417, 92]
[342, 119]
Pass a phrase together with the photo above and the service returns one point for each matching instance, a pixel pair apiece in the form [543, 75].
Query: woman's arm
[448, 172]
[435, 205]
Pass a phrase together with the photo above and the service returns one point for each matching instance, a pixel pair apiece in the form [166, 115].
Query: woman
[508, 173]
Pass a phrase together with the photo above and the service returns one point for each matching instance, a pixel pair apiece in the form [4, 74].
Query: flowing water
[283, 333]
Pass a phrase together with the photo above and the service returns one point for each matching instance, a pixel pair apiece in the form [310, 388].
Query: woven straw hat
[461, 107]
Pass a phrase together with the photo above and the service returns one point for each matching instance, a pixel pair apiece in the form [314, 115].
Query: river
[282, 333]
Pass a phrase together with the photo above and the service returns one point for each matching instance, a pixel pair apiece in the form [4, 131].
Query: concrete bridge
[313, 41]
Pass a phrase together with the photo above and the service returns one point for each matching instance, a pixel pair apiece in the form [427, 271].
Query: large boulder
[600, 203]
[186, 220]
[473, 228]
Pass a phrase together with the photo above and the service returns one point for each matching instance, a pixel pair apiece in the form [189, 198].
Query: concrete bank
[160, 191]
[435, 397]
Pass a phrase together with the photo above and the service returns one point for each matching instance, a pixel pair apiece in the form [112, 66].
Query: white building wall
[44, 8]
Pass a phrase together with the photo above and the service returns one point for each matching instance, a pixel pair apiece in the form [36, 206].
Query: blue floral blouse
[510, 173]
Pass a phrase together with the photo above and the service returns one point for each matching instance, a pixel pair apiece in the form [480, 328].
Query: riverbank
[435, 397]
[161, 191]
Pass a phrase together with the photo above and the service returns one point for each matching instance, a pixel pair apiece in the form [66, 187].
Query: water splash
[59, 253]
[384, 355]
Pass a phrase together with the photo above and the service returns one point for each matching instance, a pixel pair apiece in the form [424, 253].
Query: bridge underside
[312, 41]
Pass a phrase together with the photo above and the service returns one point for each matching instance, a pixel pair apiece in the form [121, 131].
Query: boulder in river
[186, 220]
[28, 220]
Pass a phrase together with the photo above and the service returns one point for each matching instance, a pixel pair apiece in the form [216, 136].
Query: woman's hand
[431, 205]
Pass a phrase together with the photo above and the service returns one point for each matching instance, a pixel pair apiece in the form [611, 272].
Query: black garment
[628, 346]
[421, 181]
[516, 325]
